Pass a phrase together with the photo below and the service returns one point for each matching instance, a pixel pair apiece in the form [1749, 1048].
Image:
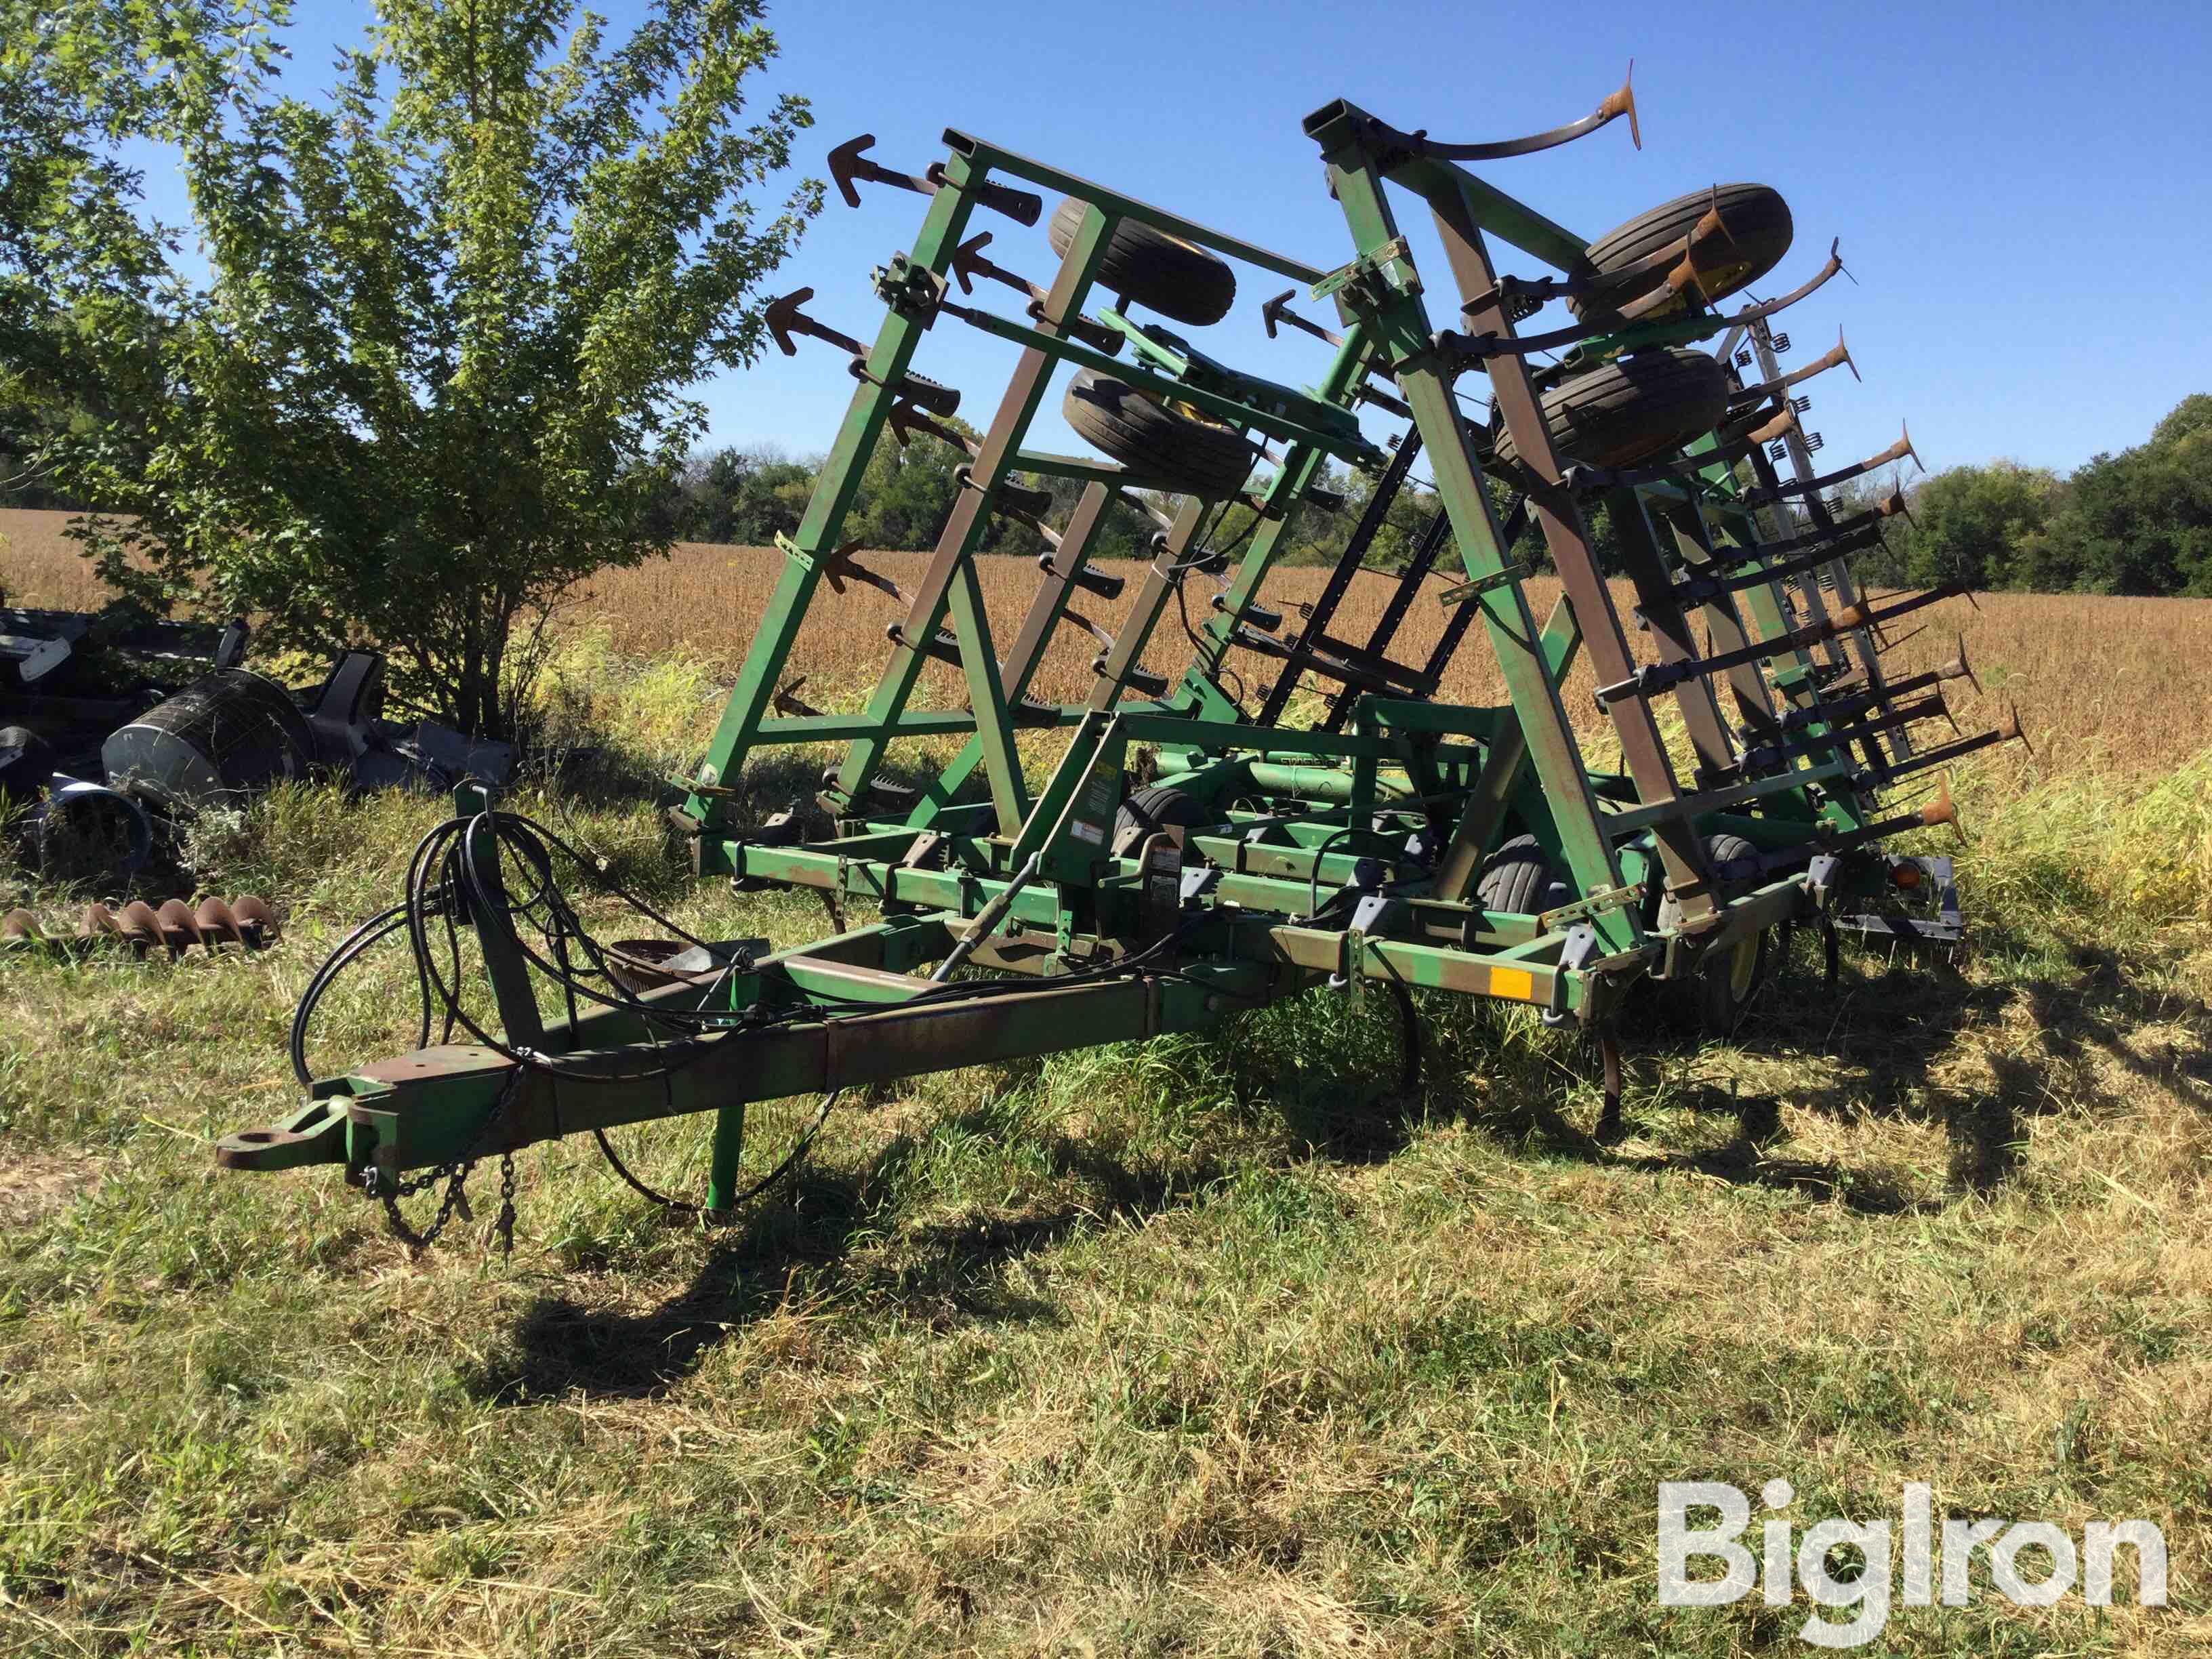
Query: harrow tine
[850, 162]
[788, 701]
[1484, 346]
[1277, 310]
[1614, 105]
[1959, 669]
[1839, 356]
[1896, 452]
[840, 566]
[906, 419]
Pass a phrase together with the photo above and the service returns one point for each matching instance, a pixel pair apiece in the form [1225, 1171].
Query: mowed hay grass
[1211, 1346]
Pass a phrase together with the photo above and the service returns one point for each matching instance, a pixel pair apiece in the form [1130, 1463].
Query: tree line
[2137, 522]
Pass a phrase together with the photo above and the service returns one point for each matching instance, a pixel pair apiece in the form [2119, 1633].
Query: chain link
[456, 1176]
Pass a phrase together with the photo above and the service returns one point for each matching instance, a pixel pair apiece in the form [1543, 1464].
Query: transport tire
[1518, 878]
[1164, 273]
[1157, 806]
[1645, 403]
[1759, 234]
[1726, 984]
[1199, 456]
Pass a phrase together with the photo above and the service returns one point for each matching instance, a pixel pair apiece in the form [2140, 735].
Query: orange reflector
[1906, 875]
[1515, 983]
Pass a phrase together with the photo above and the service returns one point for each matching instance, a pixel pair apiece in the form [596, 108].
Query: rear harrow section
[1392, 838]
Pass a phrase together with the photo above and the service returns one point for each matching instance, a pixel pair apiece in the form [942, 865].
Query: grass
[1207, 1346]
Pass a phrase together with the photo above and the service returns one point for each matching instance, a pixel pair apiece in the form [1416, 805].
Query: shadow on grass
[797, 1250]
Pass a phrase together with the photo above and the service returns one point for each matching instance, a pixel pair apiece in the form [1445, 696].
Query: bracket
[1461, 592]
[911, 289]
[1597, 904]
[1391, 263]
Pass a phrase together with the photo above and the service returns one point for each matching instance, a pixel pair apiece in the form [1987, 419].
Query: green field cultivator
[1381, 839]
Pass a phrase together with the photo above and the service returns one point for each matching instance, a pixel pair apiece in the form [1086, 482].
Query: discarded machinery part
[177, 926]
[850, 162]
[1277, 310]
[227, 733]
[1645, 403]
[1615, 104]
[85, 830]
[1208, 459]
[31, 658]
[1618, 269]
[350, 705]
[1178, 279]
[27, 760]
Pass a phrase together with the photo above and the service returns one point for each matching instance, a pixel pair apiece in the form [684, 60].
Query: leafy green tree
[78, 263]
[435, 373]
[1968, 523]
[2141, 522]
[2191, 415]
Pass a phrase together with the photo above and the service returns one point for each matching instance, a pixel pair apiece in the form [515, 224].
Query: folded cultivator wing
[1386, 837]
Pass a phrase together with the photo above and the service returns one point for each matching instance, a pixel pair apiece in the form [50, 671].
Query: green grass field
[1204, 1347]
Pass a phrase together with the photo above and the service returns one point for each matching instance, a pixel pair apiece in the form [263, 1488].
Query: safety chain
[455, 1175]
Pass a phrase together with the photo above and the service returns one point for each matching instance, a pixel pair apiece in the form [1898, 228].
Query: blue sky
[2024, 192]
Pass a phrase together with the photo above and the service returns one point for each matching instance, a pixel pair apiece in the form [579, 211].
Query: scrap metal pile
[1393, 840]
[102, 754]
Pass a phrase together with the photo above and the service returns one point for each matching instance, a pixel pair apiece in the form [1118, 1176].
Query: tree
[435, 375]
[77, 262]
[2141, 522]
[1969, 522]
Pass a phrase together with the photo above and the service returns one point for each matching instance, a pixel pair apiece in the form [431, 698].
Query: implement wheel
[1759, 231]
[1157, 806]
[1201, 457]
[1518, 879]
[1172, 277]
[1726, 982]
[1644, 404]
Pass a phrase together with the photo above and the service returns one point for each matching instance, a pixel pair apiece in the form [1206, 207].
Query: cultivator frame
[1352, 852]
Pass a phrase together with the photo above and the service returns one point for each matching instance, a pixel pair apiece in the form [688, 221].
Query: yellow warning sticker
[1515, 983]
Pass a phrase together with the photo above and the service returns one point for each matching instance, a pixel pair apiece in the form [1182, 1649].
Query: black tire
[1149, 438]
[1726, 984]
[1759, 227]
[1164, 272]
[1157, 806]
[1637, 406]
[1518, 878]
